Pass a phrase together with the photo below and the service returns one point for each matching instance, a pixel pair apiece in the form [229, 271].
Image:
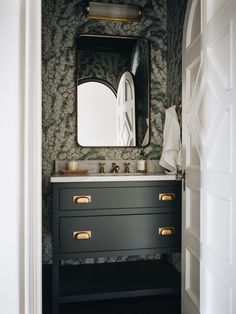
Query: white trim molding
[20, 138]
[31, 260]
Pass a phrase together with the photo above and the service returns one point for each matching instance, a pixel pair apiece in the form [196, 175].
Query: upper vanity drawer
[119, 197]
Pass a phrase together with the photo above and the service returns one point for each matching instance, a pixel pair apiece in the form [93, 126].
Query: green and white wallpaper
[175, 21]
[62, 22]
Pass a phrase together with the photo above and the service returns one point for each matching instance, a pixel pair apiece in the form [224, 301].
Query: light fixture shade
[114, 12]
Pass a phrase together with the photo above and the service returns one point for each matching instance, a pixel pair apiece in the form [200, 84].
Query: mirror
[112, 91]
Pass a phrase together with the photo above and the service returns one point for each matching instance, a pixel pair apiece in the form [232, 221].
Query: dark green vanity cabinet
[111, 219]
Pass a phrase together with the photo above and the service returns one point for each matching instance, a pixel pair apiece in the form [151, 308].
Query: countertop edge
[115, 178]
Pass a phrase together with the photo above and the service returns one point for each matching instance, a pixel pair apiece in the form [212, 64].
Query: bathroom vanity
[112, 216]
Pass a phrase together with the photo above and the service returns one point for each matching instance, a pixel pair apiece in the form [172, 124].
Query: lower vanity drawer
[121, 232]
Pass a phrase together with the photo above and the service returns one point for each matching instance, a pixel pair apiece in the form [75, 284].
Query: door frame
[30, 290]
[30, 219]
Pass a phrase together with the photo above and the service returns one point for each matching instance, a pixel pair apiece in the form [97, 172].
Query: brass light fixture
[113, 12]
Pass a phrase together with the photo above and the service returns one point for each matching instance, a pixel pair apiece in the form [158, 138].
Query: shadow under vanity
[113, 216]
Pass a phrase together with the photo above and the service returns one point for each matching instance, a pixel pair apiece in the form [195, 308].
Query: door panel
[221, 154]
[219, 298]
[192, 73]
[192, 153]
[209, 130]
[194, 22]
[213, 7]
[193, 95]
[219, 59]
[193, 212]
[192, 277]
[219, 192]
[218, 236]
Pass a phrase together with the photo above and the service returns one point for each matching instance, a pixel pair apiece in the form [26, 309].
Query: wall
[100, 65]
[63, 21]
[11, 135]
[175, 22]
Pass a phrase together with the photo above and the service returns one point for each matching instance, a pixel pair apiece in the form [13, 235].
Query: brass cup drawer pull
[166, 197]
[82, 199]
[82, 235]
[166, 231]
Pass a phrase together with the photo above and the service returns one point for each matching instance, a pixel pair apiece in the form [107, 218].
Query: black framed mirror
[112, 91]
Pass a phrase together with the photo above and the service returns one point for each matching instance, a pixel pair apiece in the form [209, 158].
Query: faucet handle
[126, 167]
[101, 167]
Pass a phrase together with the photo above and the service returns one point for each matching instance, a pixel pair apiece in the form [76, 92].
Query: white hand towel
[171, 153]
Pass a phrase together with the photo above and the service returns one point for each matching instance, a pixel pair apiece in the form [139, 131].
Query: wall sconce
[113, 12]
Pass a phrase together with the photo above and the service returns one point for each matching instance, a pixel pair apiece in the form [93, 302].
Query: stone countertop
[110, 177]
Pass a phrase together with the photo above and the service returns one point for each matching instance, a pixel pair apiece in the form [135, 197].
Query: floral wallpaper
[62, 22]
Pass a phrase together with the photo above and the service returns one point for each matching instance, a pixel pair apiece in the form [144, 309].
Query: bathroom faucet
[115, 168]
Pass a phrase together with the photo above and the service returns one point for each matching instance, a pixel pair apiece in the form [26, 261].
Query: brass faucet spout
[115, 168]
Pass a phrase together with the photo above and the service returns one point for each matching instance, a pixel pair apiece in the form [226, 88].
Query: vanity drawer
[119, 197]
[117, 233]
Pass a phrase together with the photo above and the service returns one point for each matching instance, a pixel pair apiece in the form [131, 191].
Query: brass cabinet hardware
[166, 231]
[165, 197]
[82, 199]
[82, 235]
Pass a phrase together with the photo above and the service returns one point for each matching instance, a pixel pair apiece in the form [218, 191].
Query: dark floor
[149, 305]
[167, 304]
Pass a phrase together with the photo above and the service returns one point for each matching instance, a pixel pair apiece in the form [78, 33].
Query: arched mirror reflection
[112, 91]
[95, 129]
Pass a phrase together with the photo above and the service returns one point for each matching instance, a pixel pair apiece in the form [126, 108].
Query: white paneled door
[209, 130]
[193, 91]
